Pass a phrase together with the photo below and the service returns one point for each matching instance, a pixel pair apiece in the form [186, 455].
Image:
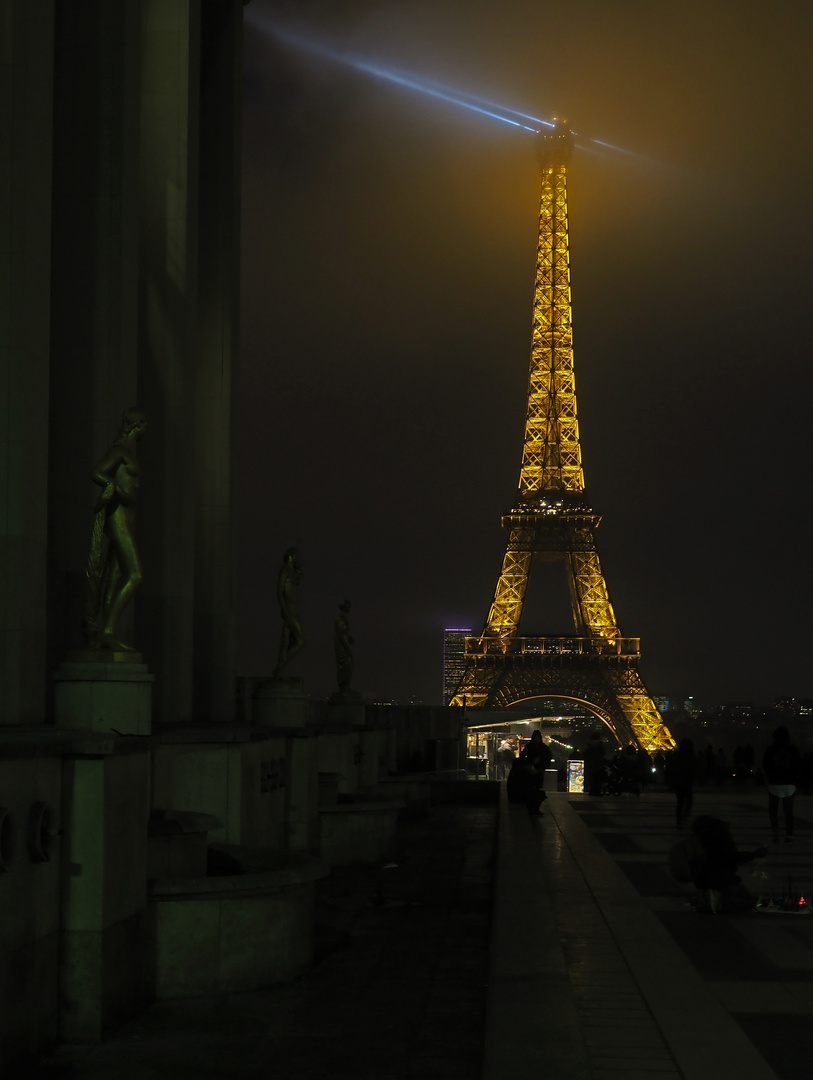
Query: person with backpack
[709, 859]
[780, 763]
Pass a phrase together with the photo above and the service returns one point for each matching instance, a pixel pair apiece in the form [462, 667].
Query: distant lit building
[791, 708]
[785, 706]
[675, 703]
[454, 660]
[738, 710]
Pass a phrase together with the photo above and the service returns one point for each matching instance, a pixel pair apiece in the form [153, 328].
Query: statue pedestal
[281, 703]
[112, 692]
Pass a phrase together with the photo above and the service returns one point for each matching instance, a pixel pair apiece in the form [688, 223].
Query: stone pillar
[190, 168]
[104, 848]
[216, 352]
[302, 816]
[170, 81]
[370, 768]
[339, 751]
[26, 101]
[30, 780]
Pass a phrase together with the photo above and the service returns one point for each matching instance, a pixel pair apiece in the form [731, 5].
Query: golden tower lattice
[552, 521]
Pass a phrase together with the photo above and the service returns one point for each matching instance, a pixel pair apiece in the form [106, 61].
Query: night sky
[389, 244]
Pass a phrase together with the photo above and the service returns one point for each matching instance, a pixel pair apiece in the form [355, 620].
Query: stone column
[26, 52]
[216, 352]
[170, 81]
[104, 847]
[190, 137]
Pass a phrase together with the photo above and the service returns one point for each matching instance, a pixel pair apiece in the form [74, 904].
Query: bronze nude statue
[114, 569]
[343, 644]
[292, 639]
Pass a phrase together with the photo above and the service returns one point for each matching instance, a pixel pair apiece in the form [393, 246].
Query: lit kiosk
[552, 520]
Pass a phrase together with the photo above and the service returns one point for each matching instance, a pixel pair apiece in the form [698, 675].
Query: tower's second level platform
[552, 646]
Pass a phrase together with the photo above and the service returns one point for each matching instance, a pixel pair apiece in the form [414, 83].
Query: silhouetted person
[781, 765]
[710, 860]
[720, 768]
[526, 781]
[646, 771]
[594, 759]
[681, 771]
[627, 761]
[660, 766]
[709, 765]
[717, 871]
[748, 759]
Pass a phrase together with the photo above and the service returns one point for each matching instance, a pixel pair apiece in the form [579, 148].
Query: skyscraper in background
[454, 644]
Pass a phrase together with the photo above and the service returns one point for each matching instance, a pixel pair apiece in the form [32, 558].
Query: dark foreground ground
[504, 947]
[398, 990]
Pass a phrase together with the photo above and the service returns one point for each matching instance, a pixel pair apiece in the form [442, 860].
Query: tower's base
[609, 686]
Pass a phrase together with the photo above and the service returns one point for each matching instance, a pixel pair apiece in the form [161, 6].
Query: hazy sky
[389, 243]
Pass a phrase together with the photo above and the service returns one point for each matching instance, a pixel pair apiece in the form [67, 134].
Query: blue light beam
[432, 89]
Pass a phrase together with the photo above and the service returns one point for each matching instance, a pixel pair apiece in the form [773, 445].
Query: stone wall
[119, 285]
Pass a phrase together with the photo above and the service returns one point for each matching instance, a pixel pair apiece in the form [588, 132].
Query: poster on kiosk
[575, 777]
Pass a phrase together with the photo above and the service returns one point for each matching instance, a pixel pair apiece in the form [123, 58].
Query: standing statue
[292, 638]
[343, 643]
[113, 568]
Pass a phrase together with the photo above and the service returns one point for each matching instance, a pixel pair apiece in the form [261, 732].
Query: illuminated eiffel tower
[551, 520]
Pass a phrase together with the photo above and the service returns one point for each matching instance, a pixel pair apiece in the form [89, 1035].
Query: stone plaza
[502, 944]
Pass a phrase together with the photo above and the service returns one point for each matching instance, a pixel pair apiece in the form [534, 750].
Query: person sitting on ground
[627, 761]
[526, 781]
[709, 858]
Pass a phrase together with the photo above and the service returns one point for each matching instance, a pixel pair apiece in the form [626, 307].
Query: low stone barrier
[249, 927]
[357, 830]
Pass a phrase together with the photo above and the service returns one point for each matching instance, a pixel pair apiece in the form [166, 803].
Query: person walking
[780, 763]
[681, 770]
[505, 759]
[594, 764]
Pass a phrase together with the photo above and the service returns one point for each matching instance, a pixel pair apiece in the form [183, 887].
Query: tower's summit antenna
[555, 144]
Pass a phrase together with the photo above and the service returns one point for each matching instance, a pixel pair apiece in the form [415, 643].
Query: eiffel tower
[551, 520]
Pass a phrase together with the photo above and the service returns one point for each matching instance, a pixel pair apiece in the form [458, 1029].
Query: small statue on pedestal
[113, 568]
[343, 643]
[292, 639]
